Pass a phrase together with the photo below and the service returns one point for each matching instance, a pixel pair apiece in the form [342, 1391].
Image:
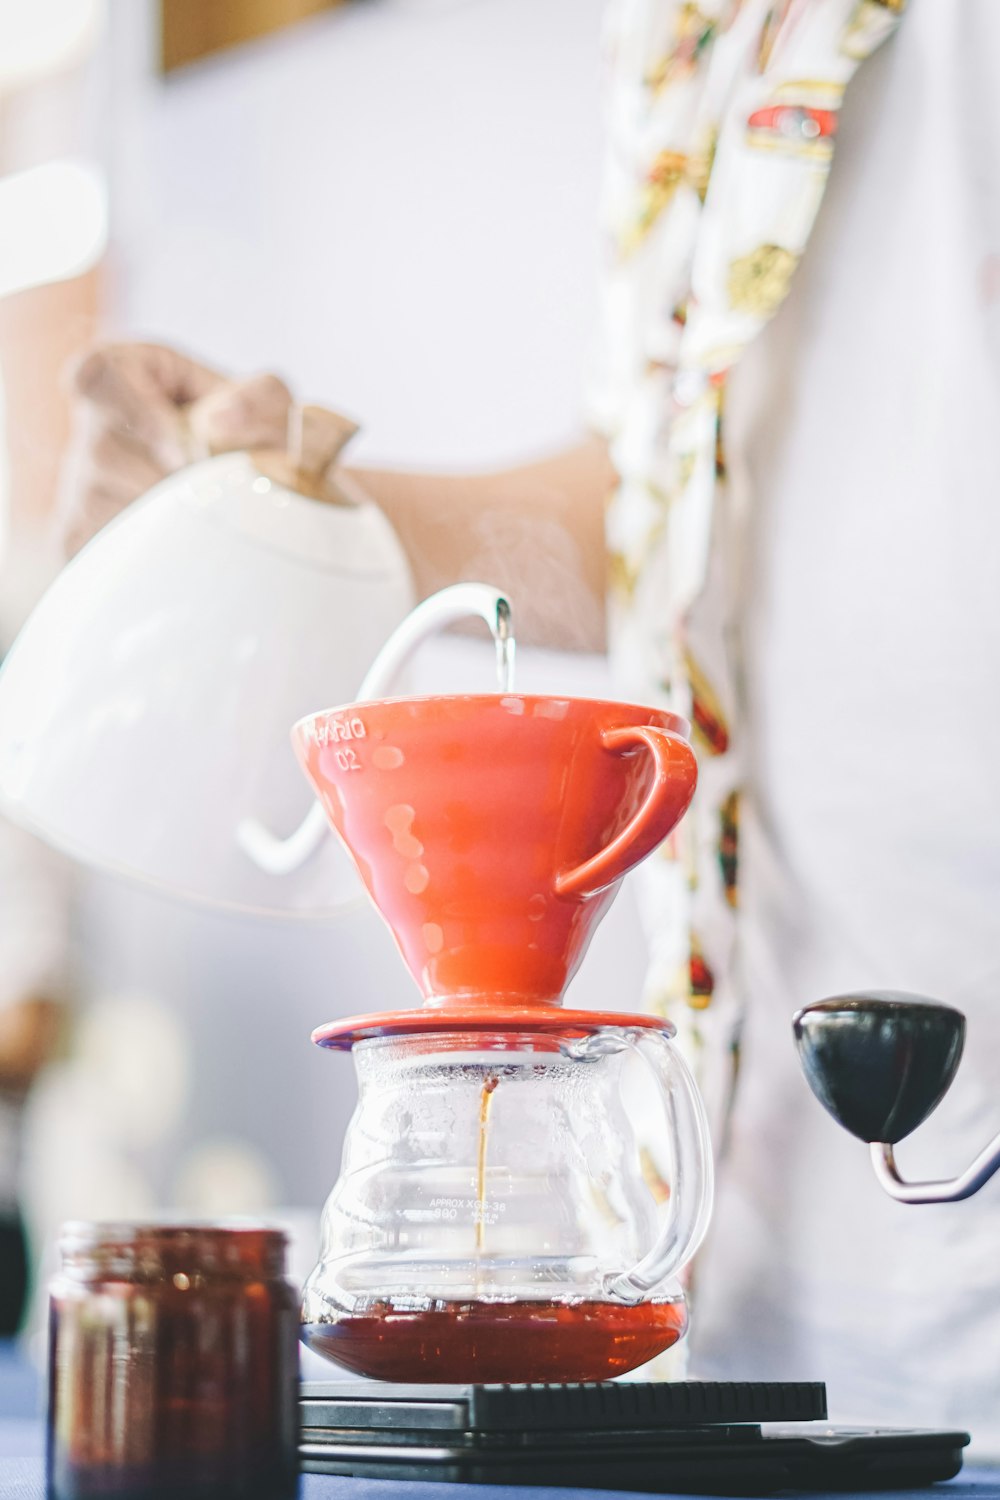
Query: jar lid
[152, 1249]
[550, 1020]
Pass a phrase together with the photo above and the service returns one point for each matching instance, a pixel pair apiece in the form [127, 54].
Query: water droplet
[433, 937]
[416, 879]
[399, 817]
[387, 757]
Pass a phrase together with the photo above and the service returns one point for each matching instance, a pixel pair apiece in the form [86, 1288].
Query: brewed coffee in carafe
[493, 1220]
[490, 1204]
[487, 1343]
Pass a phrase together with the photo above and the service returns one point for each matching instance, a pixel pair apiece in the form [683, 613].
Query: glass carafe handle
[691, 1186]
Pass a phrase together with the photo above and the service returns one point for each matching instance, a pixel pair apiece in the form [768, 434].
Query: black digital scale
[705, 1437]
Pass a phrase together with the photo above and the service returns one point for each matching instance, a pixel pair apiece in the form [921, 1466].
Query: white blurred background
[394, 205]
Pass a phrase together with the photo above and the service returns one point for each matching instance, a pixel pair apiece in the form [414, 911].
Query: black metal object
[705, 1438]
[880, 1062]
[573, 1410]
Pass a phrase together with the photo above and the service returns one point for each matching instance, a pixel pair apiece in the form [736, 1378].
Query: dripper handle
[280, 856]
[666, 803]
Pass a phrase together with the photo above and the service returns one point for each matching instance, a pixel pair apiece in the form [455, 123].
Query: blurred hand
[141, 411]
[29, 1032]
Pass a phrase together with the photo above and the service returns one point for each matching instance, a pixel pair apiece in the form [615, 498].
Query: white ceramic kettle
[146, 703]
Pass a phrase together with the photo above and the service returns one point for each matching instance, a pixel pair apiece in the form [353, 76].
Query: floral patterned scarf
[722, 129]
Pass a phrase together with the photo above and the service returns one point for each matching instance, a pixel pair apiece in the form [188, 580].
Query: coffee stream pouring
[880, 1062]
[499, 1216]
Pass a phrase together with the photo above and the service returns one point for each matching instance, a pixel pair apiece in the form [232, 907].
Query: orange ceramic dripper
[492, 833]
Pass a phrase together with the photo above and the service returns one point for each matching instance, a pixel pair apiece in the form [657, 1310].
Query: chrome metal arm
[950, 1190]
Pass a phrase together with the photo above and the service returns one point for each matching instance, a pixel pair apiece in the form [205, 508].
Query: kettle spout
[281, 856]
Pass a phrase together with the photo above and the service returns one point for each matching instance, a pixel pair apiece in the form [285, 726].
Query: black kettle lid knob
[879, 1061]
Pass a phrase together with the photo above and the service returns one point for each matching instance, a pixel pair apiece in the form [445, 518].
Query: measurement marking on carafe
[451, 1210]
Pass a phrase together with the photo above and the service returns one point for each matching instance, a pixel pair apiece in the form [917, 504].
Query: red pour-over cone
[493, 831]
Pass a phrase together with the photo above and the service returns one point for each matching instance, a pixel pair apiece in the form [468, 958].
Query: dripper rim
[683, 730]
[340, 1036]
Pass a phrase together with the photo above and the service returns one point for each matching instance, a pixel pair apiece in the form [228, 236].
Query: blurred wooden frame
[190, 29]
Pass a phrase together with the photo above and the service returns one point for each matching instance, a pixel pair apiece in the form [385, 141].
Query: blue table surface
[22, 1478]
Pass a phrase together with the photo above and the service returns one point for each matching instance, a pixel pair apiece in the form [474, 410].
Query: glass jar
[172, 1364]
[499, 1215]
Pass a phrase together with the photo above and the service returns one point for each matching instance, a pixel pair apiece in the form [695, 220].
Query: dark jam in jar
[173, 1364]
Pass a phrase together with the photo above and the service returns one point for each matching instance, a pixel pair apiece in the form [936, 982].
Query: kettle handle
[281, 856]
[676, 773]
[692, 1185]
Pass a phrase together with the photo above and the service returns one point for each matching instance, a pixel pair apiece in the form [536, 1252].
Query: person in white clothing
[797, 424]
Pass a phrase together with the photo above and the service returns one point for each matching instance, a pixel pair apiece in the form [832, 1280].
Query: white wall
[394, 205]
